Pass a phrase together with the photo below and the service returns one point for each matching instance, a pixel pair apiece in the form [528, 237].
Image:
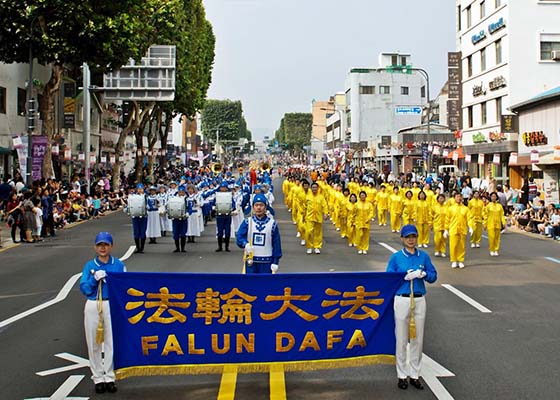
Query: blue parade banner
[172, 323]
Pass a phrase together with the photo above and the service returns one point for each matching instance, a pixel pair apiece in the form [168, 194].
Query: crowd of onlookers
[35, 212]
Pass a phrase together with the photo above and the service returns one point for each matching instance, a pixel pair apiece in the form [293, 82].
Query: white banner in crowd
[513, 159]
[467, 158]
[445, 153]
[496, 159]
[112, 159]
[534, 156]
[81, 156]
[103, 159]
[55, 150]
[455, 155]
[481, 159]
[92, 159]
[67, 154]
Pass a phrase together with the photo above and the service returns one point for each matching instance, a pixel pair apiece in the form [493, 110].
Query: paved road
[510, 353]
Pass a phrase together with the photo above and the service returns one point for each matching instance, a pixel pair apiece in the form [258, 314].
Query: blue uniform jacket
[241, 240]
[402, 261]
[88, 284]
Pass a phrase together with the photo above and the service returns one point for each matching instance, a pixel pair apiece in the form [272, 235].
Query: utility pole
[31, 109]
[86, 128]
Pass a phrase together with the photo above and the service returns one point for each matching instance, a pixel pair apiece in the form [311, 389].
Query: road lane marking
[65, 389]
[62, 295]
[8, 247]
[430, 370]
[391, 249]
[228, 383]
[557, 261]
[128, 253]
[469, 300]
[277, 383]
[79, 362]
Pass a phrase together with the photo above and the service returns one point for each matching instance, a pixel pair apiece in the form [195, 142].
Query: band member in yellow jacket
[456, 225]
[301, 205]
[439, 212]
[396, 203]
[476, 206]
[316, 212]
[351, 212]
[382, 205]
[364, 215]
[494, 222]
[343, 212]
[292, 200]
[409, 209]
[423, 217]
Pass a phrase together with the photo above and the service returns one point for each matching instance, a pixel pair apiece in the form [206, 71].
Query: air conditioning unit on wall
[556, 55]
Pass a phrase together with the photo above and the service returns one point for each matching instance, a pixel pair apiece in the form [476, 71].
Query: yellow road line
[10, 246]
[277, 383]
[74, 224]
[229, 380]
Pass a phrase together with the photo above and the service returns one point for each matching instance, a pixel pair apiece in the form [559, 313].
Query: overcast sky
[276, 56]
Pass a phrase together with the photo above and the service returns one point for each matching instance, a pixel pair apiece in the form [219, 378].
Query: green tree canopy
[227, 116]
[295, 130]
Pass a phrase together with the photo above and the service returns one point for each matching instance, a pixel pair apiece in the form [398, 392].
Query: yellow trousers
[314, 235]
[439, 242]
[301, 228]
[351, 234]
[362, 239]
[494, 237]
[395, 222]
[457, 245]
[407, 220]
[423, 233]
[342, 225]
[294, 213]
[382, 216]
[476, 236]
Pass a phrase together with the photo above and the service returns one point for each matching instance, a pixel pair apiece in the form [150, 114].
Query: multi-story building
[319, 111]
[510, 52]
[383, 100]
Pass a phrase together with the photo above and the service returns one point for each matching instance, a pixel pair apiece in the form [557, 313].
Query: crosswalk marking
[228, 383]
[277, 383]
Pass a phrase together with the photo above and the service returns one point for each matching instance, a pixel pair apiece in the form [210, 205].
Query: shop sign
[481, 159]
[496, 26]
[534, 156]
[478, 90]
[497, 83]
[496, 159]
[509, 123]
[467, 158]
[497, 136]
[477, 37]
[479, 138]
[534, 138]
[513, 159]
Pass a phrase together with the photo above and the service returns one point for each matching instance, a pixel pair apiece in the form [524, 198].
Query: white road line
[59, 297]
[79, 362]
[392, 250]
[66, 388]
[463, 296]
[557, 261]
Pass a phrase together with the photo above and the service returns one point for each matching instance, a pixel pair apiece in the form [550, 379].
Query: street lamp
[30, 107]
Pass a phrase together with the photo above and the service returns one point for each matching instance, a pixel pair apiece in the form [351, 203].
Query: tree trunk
[163, 141]
[47, 115]
[133, 123]
[139, 135]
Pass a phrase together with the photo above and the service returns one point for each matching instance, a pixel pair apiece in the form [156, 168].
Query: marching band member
[423, 217]
[260, 237]
[154, 228]
[494, 223]
[343, 212]
[180, 222]
[301, 210]
[476, 208]
[139, 222]
[438, 215]
[409, 208]
[195, 221]
[364, 215]
[316, 212]
[93, 285]
[456, 225]
[396, 204]
[223, 222]
[164, 220]
[382, 205]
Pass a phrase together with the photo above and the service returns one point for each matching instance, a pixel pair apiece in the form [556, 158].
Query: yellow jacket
[371, 195]
[456, 219]
[423, 212]
[382, 200]
[364, 214]
[342, 203]
[494, 216]
[439, 212]
[475, 208]
[301, 202]
[351, 214]
[397, 204]
[316, 208]
[409, 209]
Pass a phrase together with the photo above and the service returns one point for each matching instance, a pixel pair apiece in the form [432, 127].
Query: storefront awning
[458, 151]
[5, 151]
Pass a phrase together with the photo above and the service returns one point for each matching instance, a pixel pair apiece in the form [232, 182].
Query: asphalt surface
[510, 353]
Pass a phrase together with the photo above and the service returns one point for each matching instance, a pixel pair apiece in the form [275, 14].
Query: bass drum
[137, 205]
[223, 203]
[176, 207]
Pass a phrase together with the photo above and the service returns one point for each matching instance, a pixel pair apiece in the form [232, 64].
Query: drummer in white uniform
[154, 228]
[196, 223]
[164, 220]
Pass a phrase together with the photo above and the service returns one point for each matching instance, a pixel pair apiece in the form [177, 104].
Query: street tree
[295, 130]
[225, 116]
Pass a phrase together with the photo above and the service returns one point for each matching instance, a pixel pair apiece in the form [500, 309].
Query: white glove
[422, 274]
[445, 234]
[274, 268]
[100, 274]
[413, 275]
[471, 231]
[503, 230]
[248, 248]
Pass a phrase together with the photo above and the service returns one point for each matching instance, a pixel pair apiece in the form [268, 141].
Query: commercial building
[320, 111]
[510, 51]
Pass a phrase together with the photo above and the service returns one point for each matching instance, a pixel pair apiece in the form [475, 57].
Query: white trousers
[101, 367]
[402, 319]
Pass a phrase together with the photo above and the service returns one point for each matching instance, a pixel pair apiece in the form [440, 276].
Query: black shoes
[103, 387]
[402, 384]
[417, 384]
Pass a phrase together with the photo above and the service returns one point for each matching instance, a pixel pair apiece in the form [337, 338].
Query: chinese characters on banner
[38, 150]
[193, 323]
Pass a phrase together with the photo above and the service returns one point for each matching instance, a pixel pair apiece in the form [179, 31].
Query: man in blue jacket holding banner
[410, 305]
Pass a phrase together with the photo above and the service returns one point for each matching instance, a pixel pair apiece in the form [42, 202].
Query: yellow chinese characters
[287, 304]
[164, 303]
[235, 310]
[358, 300]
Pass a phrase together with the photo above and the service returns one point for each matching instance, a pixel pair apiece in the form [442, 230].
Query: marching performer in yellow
[409, 209]
[351, 215]
[317, 210]
[494, 223]
[423, 220]
[382, 206]
[364, 215]
[301, 200]
[476, 207]
[439, 212]
[396, 203]
[456, 225]
[292, 202]
[343, 212]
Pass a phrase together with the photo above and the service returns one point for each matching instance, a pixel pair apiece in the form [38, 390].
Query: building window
[2, 100]
[498, 3]
[469, 66]
[547, 48]
[367, 89]
[384, 89]
[21, 99]
[498, 109]
[482, 9]
[423, 91]
[470, 116]
[459, 18]
[404, 90]
[394, 60]
[498, 51]
[403, 60]
[483, 114]
[469, 17]
[483, 59]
